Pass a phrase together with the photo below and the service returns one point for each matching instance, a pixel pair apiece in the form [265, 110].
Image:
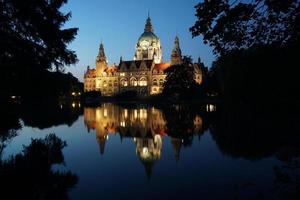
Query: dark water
[148, 152]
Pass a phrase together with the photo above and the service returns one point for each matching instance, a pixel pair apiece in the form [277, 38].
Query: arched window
[104, 83]
[161, 82]
[110, 83]
[115, 83]
[124, 82]
[133, 81]
[154, 82]
[143, 81]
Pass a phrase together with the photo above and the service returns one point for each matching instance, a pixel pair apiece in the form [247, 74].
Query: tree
[31, 172]
[180, 78]
[32, 41]
[236, 24]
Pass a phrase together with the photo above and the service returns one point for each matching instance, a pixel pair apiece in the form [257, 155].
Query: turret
[101, 62]
[176, 57]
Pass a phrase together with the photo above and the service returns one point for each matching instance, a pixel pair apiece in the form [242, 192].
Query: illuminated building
[145, 74]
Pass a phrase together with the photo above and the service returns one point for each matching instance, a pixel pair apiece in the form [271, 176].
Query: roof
[137, 63]
[162, 66]
[111, 69]
[90, 73]
[148, 36]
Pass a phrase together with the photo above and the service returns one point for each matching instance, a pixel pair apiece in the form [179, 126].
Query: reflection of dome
[149, 37]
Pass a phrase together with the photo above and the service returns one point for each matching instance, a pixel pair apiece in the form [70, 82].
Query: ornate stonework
[144, 74]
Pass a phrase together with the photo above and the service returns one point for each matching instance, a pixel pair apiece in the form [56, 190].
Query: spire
[101, 55]
[176, 44]
[176, 57]
[148, 25]
[101, 142]
[176, 143]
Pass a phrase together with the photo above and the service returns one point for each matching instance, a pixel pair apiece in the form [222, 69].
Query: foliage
[257, 75]
[32, 41]
[236, 24]
[92, 94]
[31, 174]
[180, 78]
[127, 95]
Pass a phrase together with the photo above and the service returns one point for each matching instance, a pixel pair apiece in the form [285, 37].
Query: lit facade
[144, 74]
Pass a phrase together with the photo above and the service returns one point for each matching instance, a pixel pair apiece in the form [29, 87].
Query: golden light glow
[122, 123]
[135, 113]
[73, 105]
[125, 113]
[143, 113]
[105, 112]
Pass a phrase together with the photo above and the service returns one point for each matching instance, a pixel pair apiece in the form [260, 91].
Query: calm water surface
[159, 152]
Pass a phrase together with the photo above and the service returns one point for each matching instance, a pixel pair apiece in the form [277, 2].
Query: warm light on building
[145, 74]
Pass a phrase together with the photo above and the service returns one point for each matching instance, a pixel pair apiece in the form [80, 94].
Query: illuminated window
[124, 82]
[122, 74]
[161, 82]
[154, 82]
[115, 83]
[110, 83]
[104, 83]
[143, 82]
[133, 82]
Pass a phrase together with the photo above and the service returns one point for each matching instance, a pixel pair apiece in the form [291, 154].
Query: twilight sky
[119, 23]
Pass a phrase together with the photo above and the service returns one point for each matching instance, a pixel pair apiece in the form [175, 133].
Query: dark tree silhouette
[180, 78]
[29, 174]
[32, 41]
[237, 24]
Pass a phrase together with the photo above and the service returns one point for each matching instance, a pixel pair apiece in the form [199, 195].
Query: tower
[148, 45]
[101, 62]
[176, 58]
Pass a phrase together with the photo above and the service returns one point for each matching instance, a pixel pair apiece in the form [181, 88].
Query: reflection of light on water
[143, 113]
[122, 123]
[135, 113]
[145, 150]
[125, 113]
[211, 108]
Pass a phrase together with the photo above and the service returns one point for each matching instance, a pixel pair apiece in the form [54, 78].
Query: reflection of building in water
[148, 150]
[145, 125]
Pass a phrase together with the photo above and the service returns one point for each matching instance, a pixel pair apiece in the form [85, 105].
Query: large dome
[148, 36]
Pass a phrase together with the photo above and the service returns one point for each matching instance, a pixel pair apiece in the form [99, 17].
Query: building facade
[145, 74]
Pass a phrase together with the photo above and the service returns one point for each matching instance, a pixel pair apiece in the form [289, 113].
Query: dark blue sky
[119, 23]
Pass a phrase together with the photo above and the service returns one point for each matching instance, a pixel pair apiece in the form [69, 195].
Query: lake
[142, 151]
